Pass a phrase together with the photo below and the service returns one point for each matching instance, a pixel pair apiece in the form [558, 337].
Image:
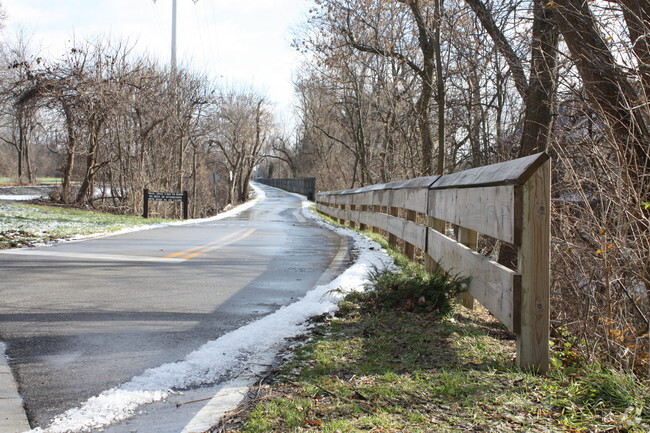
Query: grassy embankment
[398, 359]
[24, 224]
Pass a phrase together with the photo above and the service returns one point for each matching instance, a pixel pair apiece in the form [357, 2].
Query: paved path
[82, 317]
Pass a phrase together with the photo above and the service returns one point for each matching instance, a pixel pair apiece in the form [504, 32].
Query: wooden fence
[509, 202]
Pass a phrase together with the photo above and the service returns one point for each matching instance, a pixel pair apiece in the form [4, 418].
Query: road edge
[13, 418]
[235, 390]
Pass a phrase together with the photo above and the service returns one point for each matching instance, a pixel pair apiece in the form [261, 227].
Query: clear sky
[237, 42]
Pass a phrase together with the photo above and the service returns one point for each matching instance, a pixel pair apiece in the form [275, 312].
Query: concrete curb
[231, 394]
[12, 413]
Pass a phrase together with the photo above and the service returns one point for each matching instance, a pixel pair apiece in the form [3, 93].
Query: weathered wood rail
[509, 202]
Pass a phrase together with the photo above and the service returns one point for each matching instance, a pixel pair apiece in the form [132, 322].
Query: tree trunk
[498, 37]
[440, 88]
[71, 149]
[637, 18]
[540, 94]
[540, 97]
[607, 86]
[427, 73]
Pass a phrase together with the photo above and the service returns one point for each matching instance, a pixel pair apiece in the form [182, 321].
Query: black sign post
[164, 196]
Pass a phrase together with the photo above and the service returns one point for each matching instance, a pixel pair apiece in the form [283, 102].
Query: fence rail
[305, 185]
[509, 202]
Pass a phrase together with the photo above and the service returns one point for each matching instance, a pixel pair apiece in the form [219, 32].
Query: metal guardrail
[305, 185]
[509, 201]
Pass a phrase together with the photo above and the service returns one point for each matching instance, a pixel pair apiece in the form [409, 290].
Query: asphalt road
[83, 317]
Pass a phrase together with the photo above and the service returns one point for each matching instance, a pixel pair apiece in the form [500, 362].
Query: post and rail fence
[509, 202]
[304, 185]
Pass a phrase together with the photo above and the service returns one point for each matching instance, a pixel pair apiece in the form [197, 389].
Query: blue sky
[238, 42]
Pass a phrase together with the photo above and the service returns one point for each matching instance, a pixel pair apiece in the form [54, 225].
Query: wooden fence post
[363, 208]
[469, 238]
[533, 262]
[438, 225]
[409, 249]
[510, 202]
[392, 239]
[376, 209]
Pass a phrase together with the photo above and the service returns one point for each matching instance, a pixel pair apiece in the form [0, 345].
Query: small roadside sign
[165, 196]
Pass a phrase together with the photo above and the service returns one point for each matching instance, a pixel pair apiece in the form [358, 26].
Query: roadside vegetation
[404, 357]
[387, 91]
[393, 90]
[25, 224]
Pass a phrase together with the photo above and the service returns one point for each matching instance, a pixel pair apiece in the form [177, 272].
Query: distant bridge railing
[300, 185]
[509, 202]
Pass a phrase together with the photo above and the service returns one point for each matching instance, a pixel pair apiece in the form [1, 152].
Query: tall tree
[539, 90]
[384, 28]
[608, 86]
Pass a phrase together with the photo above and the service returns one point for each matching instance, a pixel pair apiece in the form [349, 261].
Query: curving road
[82, 317]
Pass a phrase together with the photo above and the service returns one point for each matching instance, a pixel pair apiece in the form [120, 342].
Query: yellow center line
[182, 253]
[223, 244]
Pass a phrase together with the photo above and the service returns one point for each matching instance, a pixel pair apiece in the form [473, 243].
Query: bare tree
[241, 133]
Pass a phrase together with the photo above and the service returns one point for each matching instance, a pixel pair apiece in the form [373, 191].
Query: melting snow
[19, 197]
[214, 360]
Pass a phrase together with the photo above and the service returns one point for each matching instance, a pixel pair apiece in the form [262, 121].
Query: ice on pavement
[216, 359]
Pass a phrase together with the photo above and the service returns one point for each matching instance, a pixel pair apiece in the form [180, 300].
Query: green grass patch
[23, 224]
[49, 180]
[394, 371]
[381, 366]
[38, 181]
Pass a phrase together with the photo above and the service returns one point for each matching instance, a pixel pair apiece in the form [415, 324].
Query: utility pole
[173, 58]
[173, 67]
[173, 72]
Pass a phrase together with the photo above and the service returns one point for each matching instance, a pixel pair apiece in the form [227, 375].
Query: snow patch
[217, 359]
[259, 196]
[19, 197]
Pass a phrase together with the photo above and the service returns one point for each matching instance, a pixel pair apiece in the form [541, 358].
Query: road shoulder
[12, 418]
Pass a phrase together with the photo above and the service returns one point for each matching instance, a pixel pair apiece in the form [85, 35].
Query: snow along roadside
[259, 196]
[214, 360]
[13, 415]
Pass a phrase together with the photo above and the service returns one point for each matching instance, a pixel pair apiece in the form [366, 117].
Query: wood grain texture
[364, 198]
[534, 266]
[362, 209]
[430, 264]
[416, 200]
[514, 172]
[376, 210]
[409, 248]
[324, 208]
[374, 219]
[395, 226]
[490, 283]
[487, 210]
[469, 238]
[508, 201]
[383, 198]
[415, 234]
[353, 216]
